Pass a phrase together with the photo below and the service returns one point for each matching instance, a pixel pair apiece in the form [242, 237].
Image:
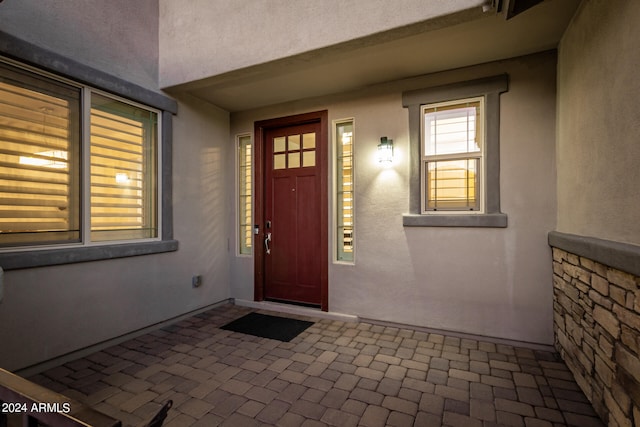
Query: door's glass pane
[123, 171]
[308, 141]
[294, 142]
[452, 184]
[279, 144]
[39, 159]
[280, 161]
[294, 160]
[309, 158]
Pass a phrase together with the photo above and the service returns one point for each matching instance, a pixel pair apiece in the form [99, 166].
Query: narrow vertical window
[344, 190]
[123, 171]
[245, 230]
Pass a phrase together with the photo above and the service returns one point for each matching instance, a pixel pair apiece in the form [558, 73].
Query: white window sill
[493, 220]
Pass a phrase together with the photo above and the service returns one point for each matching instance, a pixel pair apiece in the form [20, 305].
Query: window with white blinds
[48, 194]
[344, 190]
[123, 159]
[245, 171]
[455, 179]
[39, 160]
[453, 150]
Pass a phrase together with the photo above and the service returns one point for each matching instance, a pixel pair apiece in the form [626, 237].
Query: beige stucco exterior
[481, 281]
[50, 311]
[567, 162]
[204, 38]
[120, 38]
[598, 123]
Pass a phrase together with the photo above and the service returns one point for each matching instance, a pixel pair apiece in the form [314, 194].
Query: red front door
[292, 221]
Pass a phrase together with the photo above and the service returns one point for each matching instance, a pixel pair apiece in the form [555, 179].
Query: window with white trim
[245, 193]
[454, 136]
[344, 195]
[453, 140]
[78, 166]
[123, 162]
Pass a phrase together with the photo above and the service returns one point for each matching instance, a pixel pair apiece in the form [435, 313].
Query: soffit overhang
[464, 39]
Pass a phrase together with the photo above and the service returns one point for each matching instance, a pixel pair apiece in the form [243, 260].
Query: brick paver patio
[333, 374]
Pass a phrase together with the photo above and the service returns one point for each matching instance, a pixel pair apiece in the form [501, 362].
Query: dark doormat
[265, 326]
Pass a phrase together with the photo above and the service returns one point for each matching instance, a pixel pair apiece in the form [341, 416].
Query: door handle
[267, 239]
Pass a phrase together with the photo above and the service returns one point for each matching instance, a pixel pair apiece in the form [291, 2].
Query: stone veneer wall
[597, 332]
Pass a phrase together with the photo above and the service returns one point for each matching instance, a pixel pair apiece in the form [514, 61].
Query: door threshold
[298, 303]
[296, 309]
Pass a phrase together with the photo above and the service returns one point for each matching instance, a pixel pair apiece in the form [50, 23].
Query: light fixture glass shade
[385, 150]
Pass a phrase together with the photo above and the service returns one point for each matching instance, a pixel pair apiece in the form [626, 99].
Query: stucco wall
[50, 311]
[119, 37]
[599, 123]
[212, 37]
[493, 282]
[47, 312]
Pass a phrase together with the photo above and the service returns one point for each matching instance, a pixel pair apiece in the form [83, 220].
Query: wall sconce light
[385, 150]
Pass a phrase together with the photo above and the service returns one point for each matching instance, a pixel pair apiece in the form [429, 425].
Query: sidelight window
[344, 195]
[245, 230]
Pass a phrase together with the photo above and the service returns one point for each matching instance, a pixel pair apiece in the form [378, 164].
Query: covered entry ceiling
[468, 38]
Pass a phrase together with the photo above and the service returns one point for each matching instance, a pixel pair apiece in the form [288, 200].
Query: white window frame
[426, 158]
[238, 141]
[491, 216]
[86, 158]
[336, 194]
